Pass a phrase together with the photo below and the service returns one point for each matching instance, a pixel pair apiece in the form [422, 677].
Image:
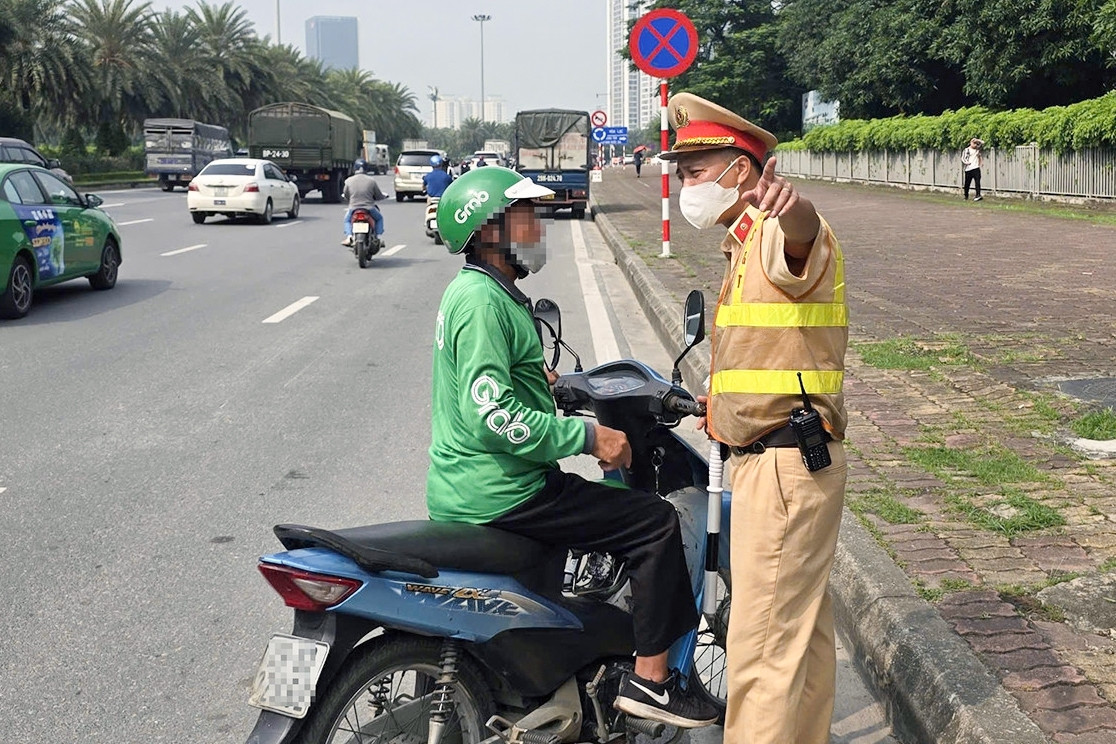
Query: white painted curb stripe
[183, 250]
[136, 222]
[395, 249]
[290, 310]
[605, 348]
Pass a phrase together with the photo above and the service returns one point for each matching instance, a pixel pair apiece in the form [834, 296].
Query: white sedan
[235, 186]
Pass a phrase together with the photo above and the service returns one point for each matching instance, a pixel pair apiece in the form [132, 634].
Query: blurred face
[522, 224]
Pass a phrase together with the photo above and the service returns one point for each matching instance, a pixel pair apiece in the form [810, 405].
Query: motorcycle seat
[423, 546]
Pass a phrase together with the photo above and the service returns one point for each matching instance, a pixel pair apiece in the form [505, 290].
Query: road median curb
[934, 687]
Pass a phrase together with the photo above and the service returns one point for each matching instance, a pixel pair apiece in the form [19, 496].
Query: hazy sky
[537, 53]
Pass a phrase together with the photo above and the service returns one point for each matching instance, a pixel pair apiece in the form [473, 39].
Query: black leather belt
[781, 437]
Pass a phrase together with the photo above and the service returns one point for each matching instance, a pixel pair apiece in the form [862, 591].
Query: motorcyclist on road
[497, 438]
[362, 192]
[436, 181]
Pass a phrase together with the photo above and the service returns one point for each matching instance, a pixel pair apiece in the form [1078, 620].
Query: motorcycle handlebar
[683, 406]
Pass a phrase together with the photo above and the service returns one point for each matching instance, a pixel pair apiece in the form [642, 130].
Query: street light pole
[481, 18]
[278, 26]
[434, 97]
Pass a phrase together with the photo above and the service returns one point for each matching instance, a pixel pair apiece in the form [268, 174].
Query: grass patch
[1010, 513]
[990, 465]
[1108, 565]
[1024, 601]
[906, 353]
[1099, 425]
[883, 504]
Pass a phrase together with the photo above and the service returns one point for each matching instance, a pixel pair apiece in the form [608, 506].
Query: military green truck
[315, 145]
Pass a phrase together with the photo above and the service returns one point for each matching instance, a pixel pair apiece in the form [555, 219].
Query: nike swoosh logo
[662, 699]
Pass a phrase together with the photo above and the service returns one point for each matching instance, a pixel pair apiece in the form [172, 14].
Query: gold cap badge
[681, 117]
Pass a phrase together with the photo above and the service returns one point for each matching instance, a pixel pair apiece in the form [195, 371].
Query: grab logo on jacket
[485, 391]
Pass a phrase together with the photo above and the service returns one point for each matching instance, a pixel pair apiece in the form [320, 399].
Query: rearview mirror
[693, 320]
[92, 200]
[53, 163]
[693, 329]
[548, 322]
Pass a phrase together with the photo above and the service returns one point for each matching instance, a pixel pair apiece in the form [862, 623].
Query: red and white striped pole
[666, 168]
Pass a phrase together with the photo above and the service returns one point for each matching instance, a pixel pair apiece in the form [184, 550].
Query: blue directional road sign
[610, 135]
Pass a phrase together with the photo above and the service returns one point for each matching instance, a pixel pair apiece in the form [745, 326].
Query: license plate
[218, 202]
[360, 227]
[288, 674]
[546, 198]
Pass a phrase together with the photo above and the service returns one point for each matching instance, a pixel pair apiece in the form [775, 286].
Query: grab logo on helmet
[462, 215]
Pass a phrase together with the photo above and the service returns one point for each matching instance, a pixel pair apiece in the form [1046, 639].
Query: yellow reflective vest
[771, 324]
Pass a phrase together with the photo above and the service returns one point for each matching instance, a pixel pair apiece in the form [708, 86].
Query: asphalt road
[153, 434]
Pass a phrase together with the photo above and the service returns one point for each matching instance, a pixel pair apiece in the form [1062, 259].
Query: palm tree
[117, 35]
[195, 89]
[228, 41]
[42, 72]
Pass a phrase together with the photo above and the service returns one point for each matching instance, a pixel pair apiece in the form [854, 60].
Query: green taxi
[49, 234]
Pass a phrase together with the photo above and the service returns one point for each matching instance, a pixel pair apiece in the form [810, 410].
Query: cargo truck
[175, 150]
[552, 148]
[315, 145]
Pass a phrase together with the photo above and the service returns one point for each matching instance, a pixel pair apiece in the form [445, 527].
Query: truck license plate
[288, 674]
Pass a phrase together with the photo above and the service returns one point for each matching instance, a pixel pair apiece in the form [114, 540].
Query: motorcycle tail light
[251, 188]
[303, 590]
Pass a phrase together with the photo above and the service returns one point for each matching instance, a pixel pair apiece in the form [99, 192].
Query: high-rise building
[451, 111]
[633, 96]
[334, 41]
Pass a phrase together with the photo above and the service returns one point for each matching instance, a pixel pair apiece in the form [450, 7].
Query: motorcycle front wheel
[385, 695]
[708, 671]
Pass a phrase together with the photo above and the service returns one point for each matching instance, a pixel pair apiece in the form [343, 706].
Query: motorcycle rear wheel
[708, 672]
[385, 693]
[364, 256]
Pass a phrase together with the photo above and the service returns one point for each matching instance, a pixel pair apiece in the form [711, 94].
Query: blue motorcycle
[426, 632]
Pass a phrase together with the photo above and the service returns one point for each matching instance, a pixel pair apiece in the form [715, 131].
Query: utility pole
[278, 25]
[433, 96]
[481, 18]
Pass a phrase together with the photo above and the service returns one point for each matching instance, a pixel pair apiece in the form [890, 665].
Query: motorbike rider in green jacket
[497, 438]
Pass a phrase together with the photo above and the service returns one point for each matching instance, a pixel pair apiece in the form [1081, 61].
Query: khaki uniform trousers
[782, 662]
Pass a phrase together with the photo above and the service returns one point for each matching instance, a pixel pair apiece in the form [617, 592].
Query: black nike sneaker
[665, 702]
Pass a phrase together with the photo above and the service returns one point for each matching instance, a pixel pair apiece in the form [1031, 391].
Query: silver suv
[411, 166]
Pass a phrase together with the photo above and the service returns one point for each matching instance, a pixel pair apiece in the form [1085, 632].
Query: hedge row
[1078, 126]
[76, 163]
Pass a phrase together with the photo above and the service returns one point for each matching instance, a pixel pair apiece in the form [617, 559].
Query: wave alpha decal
[48, 242]
[472, 599]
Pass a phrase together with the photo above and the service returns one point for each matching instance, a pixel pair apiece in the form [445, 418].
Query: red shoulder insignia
[740, 232]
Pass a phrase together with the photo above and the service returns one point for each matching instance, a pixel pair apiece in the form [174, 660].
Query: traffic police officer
[781, 312]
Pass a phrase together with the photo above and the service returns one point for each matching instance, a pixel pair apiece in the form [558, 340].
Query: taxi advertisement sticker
[43, 227]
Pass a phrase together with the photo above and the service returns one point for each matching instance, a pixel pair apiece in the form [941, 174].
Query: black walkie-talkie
[806, 423]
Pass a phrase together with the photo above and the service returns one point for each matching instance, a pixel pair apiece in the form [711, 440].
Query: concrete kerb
[933, 685]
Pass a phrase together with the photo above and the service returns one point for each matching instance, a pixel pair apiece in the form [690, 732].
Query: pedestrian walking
[637, 158]
[971, 160]
[781, 317]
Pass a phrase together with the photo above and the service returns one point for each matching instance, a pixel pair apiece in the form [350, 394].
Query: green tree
[739, 63]
[116, 35]
[194, 87]
[42, 70]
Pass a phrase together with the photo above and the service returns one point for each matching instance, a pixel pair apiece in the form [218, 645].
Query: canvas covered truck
[314, 145]
[175, 150]
[552, 148]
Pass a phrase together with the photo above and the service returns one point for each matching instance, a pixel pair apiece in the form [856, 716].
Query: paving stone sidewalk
[962, 317]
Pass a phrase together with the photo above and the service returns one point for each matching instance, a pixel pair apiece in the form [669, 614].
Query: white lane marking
[183, 250]
[114, 204]
[2, 489]
[605, 348]
[135, 222]
[289, 310]
[395, 249]
[290, 223]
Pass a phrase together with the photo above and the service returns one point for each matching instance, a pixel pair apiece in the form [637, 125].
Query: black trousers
[970, 177]
[634, 526]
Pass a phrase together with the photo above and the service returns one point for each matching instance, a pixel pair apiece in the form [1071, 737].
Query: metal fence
[1026, 170]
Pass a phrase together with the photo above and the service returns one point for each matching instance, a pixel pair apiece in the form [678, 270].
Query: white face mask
[702, 204]
[531, 256]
